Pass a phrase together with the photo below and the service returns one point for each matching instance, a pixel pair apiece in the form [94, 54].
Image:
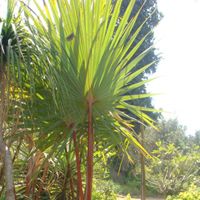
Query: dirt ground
[136, 198]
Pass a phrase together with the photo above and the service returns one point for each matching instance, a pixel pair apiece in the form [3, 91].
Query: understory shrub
[193, 193]
[172, 170]
[104, 190]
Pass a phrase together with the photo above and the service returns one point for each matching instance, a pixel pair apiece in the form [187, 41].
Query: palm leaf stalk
[86, 61]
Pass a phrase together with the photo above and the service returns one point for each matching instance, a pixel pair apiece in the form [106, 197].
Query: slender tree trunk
[10, 191]
[143, 189]
[4, 150]
[90, 150]
[78, 169]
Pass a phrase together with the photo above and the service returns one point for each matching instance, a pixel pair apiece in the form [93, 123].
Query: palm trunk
[10, 192]
[8, 169]
[4, 150]
[78, 169]
[90, 150]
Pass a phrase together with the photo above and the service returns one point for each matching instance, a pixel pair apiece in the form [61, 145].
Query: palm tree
[85, 59]
[13, 56]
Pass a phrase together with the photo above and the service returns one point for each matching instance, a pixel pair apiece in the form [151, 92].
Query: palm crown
[88, 56]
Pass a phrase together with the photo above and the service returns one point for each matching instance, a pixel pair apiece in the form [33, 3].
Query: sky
[178, 41]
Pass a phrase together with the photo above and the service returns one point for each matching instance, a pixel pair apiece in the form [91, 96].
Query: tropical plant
[193, 192]
[104, 190]
[13, 73]
[172, 170]
[84, 59]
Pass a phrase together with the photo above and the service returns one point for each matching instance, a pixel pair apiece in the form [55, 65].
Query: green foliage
[2, 197]
[104, 190]
[170, 131]
[176, 158]
[128, 197]
[193, 193]
[82, 55]
[172, 168]
[132, 187]
[78, 51]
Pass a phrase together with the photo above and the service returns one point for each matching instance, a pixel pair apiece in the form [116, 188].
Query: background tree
[195, 138]
[170, 131]
[172, 169]
[176, 157]
[175, 164]
[150, 13]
